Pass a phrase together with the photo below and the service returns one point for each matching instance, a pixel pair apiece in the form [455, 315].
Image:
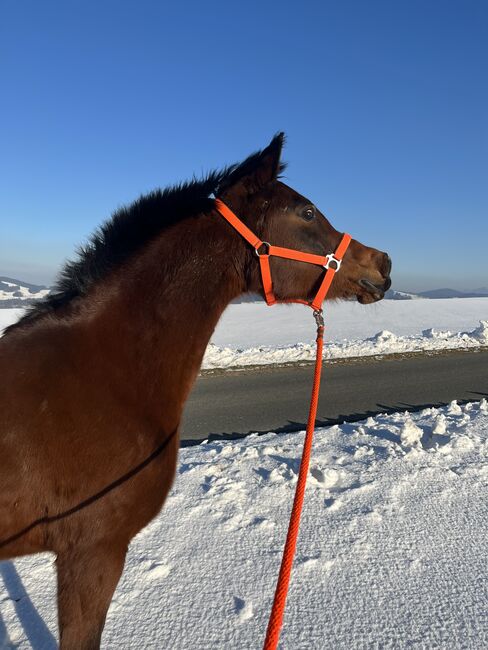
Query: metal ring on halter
[331, 258]
[318, 314]
[264, 243]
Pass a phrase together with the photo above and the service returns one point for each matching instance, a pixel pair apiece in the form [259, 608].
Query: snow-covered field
[392, 550]
[385, 342]
[254, 334]
[252, 324]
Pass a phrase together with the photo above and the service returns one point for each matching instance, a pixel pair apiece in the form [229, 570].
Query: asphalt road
[276, 399]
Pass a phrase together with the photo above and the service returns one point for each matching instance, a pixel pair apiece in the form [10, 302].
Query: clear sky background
[384, 102]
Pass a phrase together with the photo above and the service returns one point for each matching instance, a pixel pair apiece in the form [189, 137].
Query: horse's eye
[309, 213]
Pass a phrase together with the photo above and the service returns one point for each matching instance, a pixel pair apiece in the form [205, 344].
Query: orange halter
[287, 253]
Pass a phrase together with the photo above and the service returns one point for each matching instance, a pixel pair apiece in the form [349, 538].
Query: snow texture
[391, 553]
[249, 325]
[252, 334]
[384, 342]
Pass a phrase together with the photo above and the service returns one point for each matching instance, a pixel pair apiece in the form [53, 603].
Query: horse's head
[280, 215]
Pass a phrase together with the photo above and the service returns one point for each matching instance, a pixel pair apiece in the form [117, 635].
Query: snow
[254, 334]
[9, 316]
[21, 293]
[391, 553]
[248, 325]
[384, 342]
[410, 433]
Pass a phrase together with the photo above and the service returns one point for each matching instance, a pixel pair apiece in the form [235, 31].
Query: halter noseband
[264, 250]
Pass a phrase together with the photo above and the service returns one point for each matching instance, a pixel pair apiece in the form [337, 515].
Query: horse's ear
[268, 166]
[256, 171]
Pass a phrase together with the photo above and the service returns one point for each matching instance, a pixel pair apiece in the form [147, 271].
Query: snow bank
[391, 554]
[385, 342]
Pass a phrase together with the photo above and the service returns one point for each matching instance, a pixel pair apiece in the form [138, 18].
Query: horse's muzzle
[376, 290]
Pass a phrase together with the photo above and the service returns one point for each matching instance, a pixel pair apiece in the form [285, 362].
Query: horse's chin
[369, 298]
[370, 292]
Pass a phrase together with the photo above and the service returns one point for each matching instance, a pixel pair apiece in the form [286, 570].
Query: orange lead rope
[264, 251]
[279, 602]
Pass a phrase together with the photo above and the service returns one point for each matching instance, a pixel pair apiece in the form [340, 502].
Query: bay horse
[95, 376]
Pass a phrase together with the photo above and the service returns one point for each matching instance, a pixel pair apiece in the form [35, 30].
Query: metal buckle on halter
[264, 243]
[332, 258]
[318, 314]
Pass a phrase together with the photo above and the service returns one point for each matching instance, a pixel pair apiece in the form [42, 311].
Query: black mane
[129, 229]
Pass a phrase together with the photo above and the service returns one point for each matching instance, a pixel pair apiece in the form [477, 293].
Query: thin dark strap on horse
[49, 519]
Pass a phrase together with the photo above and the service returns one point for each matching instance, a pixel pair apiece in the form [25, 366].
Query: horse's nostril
[387, 268]
[387, 284]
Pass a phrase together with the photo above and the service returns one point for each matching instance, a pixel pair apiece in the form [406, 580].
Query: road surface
[277, 398]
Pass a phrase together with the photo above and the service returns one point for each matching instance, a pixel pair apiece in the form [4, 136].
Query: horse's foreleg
[87, 578]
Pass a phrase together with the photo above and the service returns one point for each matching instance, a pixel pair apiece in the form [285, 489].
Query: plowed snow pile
[384, 342]
[392, 551]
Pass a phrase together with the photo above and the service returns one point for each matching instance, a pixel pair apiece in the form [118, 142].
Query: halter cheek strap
[265, 250]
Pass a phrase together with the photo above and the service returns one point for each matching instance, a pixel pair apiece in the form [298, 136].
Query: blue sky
[385, 105]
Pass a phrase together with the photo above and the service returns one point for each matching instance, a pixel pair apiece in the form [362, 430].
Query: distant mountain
[482, 290]
[451, 293]
[17, 293]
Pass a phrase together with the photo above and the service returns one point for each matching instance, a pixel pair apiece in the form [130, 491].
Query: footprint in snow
[374, 516]
[326, 478]
[333, 504]
[280, 474]
[308, 562]
[157, 570]
[317, 474]
[262, 522]
[242, 609]
[415, 565]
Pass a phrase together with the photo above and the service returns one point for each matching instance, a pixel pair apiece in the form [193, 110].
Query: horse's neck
[157, 325]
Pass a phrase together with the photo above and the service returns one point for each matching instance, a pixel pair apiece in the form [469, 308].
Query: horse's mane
[129, 229]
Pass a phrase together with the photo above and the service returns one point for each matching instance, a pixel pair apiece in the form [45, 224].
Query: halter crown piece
[331, 263]
[265, 250]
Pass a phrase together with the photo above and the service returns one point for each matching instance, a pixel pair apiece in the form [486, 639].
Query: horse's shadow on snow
[36, 630]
